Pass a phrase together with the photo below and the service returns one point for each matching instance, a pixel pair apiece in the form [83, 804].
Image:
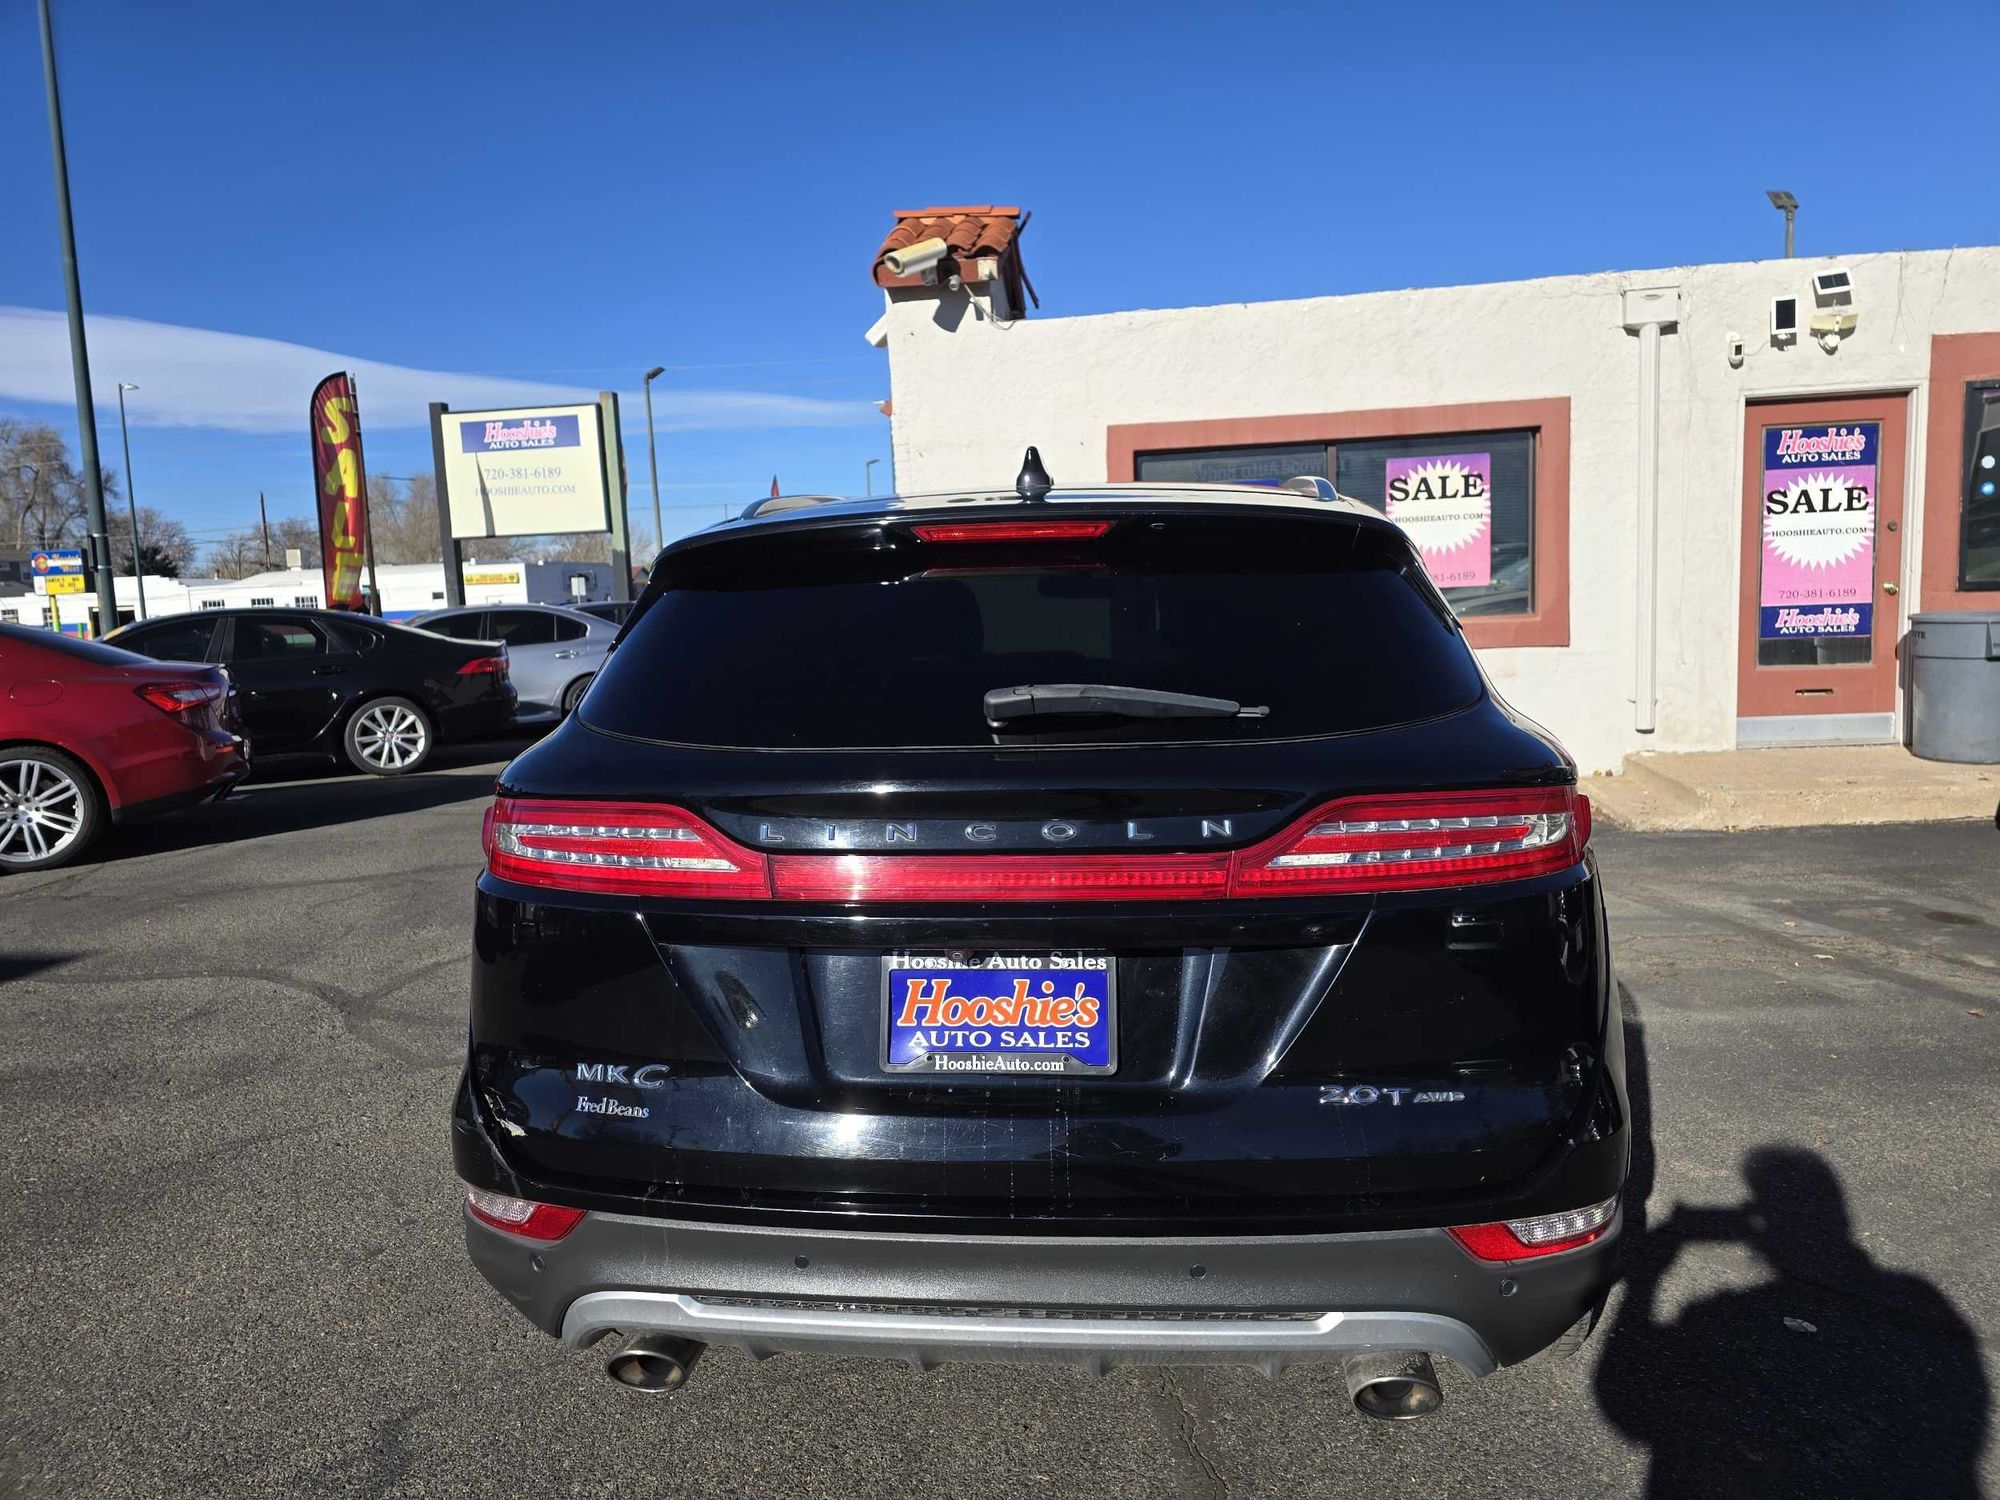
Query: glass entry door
[1822, 556]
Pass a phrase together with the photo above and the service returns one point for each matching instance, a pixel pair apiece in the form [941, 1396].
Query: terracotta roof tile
[974, 231]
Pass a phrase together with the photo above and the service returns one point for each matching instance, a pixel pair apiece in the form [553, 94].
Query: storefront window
[1266, 466]
[1979, 521]
[1466, 499]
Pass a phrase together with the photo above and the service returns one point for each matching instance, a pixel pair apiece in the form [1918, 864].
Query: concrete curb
[1815, 786]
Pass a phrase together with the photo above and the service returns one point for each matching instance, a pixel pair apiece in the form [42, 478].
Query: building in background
[1682, 509]
[407, 589]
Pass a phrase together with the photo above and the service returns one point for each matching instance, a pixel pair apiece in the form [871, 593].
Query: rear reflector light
[180, 698]
[999, 877]
[481, 666]
[1419, 840]
[534, 1221]
[1525, 1239]
[1357, 845]
[1015, 531]
[629, 848]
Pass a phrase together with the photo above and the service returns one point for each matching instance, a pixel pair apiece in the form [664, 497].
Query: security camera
[1833, 288]
[1784, 321]
[1735, 347]
[914, 260]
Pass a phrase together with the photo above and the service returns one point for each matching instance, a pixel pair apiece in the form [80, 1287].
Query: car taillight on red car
[184, 700]
[1356, 845]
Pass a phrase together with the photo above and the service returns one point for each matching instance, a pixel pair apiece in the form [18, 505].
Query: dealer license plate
[1027, 1013]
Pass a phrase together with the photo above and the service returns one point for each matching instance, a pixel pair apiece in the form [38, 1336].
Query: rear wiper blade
[1035, 699]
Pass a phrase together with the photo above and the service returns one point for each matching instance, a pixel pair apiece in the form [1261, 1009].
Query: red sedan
[91, 736]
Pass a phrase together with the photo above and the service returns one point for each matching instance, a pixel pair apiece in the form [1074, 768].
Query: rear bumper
[1266, 1302]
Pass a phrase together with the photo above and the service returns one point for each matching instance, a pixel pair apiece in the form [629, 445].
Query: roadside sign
[56, 560]
[63, 583]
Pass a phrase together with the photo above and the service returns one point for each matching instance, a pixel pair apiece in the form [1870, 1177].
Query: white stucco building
[1603, 451]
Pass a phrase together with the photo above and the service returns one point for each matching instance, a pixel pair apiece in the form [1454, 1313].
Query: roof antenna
[1033, 482]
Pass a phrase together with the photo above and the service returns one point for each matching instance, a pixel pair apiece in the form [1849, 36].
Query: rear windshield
[873, 638]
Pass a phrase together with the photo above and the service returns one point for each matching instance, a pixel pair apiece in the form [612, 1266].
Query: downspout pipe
[1649, 312]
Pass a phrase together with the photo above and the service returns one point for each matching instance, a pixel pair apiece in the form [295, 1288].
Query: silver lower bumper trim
[1095, 1344]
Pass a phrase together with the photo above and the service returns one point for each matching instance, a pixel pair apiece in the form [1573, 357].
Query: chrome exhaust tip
[654, 1365]
[1393, 1386]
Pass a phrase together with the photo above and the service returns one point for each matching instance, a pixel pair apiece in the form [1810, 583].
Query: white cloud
[199, 377]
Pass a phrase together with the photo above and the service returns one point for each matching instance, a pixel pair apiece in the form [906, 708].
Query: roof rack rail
[772, 505]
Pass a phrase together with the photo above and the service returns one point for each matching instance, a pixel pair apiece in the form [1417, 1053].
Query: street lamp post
[653, 453]
[1787, 205]
[868, 476]
[131, 495]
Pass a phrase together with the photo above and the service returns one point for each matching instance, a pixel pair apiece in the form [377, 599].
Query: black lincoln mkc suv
[1107, 925]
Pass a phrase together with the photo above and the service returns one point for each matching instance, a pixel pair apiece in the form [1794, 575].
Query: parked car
[617, 611]
[552, 651]
[378, 695]
[1124, 927]
[92, 736]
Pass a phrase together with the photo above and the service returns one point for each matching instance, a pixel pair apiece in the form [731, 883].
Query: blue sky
[501, 192]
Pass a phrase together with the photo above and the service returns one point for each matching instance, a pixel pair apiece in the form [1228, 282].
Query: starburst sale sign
[1445, 504]
[1819, 530]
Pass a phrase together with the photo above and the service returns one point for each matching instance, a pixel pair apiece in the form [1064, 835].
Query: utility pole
[131, 495]
[264, 521]
[79, 354]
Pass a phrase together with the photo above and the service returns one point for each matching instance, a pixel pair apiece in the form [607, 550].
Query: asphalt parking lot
[233, 1262]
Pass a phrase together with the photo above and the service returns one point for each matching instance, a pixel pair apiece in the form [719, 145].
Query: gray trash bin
[1955, 686]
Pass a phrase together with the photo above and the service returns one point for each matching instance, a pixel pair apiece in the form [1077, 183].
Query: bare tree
[165, 548]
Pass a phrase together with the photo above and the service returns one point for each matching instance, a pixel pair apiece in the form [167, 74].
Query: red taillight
[999, 877]
[1549, 1234]
[1417, 840]
[482, 666]
[180, 699]
[625, 848]
[532, 1221]
[1356, 846]
[1015, 531]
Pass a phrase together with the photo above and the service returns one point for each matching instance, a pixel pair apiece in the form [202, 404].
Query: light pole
[79, 353]
[131, 495]
[868, 476]
[653, 453]
[1787, 205]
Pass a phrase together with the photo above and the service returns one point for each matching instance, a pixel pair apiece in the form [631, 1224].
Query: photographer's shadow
[1833, 1378]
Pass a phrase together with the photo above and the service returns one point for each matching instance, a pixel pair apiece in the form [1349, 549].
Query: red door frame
[1861, 688]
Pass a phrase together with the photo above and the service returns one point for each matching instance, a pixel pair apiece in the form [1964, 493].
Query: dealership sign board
[525, 472]
[1819, 530]
[57, 570]
[341, 483]
[1445, 505]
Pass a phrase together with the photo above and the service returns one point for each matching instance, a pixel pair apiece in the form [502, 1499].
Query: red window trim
[1548, 623]
[1955, 359]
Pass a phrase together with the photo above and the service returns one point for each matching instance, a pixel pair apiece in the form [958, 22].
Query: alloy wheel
[41, 811]
[390, 737]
